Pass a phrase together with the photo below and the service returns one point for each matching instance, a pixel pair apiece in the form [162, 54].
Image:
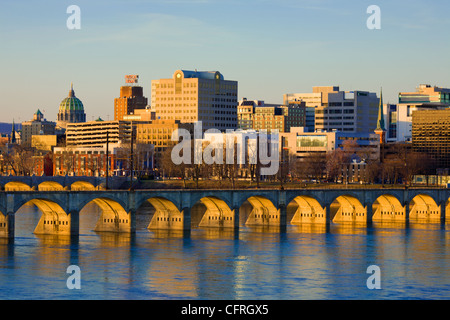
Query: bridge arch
[166, 215]
[211, 211]
[82, 186]
[307, 210]
[53, 221]
[113, 217]
[347, 208]
[243, 198]
[225, 197]
[50, 186]
[423, 208]
[17, 186]
[258, 210]
[387, 208]
[90, 197]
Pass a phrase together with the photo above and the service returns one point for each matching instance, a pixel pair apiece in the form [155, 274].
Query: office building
[131, 99]
[191, 96]
[345, 111]
[44, 142]
[431, 135]
[93, 161]
[97, 133]
[391, 122]
[159, 134]
[240, 151]
[256, 115]
[87, 145]
[312, 101]
[38, 126]
[399, 117]
[303, 143]
[307, 147]
[84, 161]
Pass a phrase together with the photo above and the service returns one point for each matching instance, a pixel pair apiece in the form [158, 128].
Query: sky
[271, 47]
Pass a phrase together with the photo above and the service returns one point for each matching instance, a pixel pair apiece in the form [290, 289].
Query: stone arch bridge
[184, 209]
[58, 183]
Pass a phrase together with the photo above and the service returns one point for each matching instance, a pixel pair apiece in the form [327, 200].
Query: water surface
[303, 263]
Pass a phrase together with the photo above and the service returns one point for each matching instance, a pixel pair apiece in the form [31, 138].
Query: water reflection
[305, 262]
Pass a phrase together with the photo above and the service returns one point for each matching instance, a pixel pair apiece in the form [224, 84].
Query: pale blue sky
[270, 47]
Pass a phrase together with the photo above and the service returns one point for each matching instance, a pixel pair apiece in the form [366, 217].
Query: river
[309, 262]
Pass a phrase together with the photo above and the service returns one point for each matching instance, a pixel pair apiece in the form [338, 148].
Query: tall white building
[191, 96]
[345, 111]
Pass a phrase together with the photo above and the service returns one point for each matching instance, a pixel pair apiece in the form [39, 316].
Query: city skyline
[269, 47]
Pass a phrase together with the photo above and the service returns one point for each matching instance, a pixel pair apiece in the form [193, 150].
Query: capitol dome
[71, 110]
[71, 102]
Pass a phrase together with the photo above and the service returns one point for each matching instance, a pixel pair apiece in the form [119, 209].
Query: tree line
[396, 165]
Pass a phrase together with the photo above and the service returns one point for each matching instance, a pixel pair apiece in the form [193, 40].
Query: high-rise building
[426, 93]
[159, 134]
[98, 133]
[260, 116]
[191, 96]
[37, 126]
[312, 101]
[71, 110]
[431, 135]
[131, 98]
[345, 111]
[426, 97]
[391, 122]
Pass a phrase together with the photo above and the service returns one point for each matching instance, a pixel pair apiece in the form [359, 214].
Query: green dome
[71, 102]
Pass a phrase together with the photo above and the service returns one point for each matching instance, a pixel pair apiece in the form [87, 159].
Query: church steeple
[380, 121]
[381, 130]
[13, 133]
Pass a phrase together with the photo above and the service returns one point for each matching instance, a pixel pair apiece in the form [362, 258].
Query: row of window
[270, 216]
[334, 123]
[64, 223]
[336, 118]
[218, 218]
[338, 111]
[357, 214]
[168, 219]
[210, 85]
[312, 215]
[339, 104]
[115, 220]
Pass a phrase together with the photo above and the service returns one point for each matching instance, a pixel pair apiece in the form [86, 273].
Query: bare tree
[334, 161]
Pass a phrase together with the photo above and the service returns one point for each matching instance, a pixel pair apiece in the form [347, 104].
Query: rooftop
[211, 75]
